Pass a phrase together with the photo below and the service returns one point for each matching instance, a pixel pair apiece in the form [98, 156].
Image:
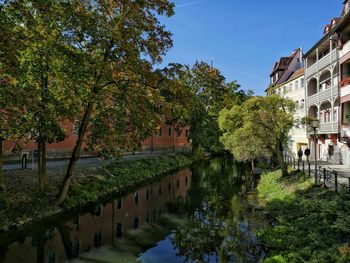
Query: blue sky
[244, 38]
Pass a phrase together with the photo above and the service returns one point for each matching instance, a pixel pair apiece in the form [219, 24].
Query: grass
[307, 223]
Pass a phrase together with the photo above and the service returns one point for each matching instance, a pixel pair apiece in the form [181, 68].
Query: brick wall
[164, 139]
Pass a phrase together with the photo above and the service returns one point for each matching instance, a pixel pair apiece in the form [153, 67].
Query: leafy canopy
[257, 128]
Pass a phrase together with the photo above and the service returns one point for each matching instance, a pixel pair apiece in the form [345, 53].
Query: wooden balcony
[322, 95]
[325, 61]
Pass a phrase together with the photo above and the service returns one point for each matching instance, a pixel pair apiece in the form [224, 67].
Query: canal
[194, 215]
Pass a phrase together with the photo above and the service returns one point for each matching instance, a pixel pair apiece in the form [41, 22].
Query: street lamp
[315, 124]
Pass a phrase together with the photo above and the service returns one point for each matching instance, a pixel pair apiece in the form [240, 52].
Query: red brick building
[165, 139]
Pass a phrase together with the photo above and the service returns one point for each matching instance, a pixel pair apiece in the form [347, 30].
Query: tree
[43, 70]
[116, 42]
[12, 97]
[210, 95]
[258, 128]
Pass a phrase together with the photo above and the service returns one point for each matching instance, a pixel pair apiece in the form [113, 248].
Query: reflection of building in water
[103, 226]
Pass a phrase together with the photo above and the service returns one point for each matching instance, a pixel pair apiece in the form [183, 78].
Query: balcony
[345, 49]
[328, 127]
[322, 63]
[323, 95]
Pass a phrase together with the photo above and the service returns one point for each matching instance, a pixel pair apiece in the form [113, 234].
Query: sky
[244, 38]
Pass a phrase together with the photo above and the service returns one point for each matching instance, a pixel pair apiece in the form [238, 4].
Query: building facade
[287, 80]
[166, 138]
[327, 91]
[294, 89]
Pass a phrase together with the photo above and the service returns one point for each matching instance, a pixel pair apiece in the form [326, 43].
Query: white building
[294, 89]
[287, 79]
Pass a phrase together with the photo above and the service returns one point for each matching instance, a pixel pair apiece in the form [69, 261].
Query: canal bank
[26, 205]
[196, 214]
[305, 223]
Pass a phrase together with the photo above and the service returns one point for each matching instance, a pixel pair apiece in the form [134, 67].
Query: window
[119, 204]
[51, 257]
[178, 183]
[160, 132]
[290, 88]
[136, 222]
[76, 248]
[98, 211]
[136, 198]
[147, 195]
[76, 221]
[160, 190]
[296, 84]
[75, 128]
[118, 232]
[169, 131]
[186, 133]
[98, 239]
[302, 83]
[169, 187]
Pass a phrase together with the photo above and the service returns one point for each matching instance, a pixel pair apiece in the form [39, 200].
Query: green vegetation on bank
[92, 186]
[307, 223]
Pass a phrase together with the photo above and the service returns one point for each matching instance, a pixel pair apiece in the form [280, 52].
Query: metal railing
[323, 177]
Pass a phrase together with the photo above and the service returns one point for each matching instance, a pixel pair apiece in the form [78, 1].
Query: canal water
[194, 215]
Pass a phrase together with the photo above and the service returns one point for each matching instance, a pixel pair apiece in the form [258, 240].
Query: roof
[287, 61]
[341, 23]
[282, 64]
[297, 74]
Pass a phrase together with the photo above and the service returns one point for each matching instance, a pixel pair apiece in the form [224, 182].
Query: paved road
[93, 161]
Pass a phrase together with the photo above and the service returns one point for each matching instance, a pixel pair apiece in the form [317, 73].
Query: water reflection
[196, 214]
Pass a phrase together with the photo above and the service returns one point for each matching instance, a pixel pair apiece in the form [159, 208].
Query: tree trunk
[75, 154]
[40, 249]
[279, 155]
[253, 166]
[2, 183]
[65, 237]
[42, 164]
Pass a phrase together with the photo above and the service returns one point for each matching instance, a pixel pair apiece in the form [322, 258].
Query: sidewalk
[87, 161]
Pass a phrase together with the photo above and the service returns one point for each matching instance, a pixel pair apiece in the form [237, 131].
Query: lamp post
[315, 124]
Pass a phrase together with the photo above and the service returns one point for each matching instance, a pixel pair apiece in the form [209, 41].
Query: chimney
[346, 7]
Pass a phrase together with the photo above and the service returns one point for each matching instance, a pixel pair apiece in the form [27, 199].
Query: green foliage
[210, 94]
[310, 224]
[257, 128]
[119, 177]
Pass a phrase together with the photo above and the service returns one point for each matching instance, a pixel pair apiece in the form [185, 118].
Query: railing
[329, 127]
[313, 99]
[345, 49]
[322, 176]
[323, 95]
[322, 63]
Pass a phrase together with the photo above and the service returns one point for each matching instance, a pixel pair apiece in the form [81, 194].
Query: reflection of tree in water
[214, 209]
[39, 240]
[3, 253]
